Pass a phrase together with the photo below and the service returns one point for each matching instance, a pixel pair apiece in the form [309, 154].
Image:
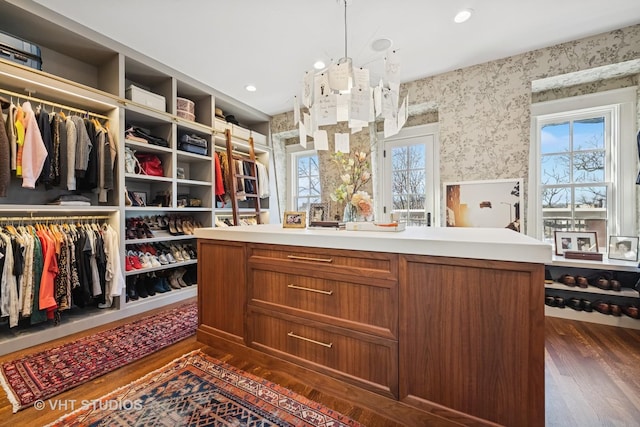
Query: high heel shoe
[179, 228]
[172, 227]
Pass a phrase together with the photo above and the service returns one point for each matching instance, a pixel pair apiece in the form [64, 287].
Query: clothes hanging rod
[52, 104]
[54, 218]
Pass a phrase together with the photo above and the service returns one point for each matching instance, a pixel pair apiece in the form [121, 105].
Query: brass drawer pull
[319, 291]
[324, 344]
[306, 258]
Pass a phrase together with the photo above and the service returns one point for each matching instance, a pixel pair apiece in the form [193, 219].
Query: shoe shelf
[592, 317]
[599, 281]
[162, 267]
[159, 237]
[624, 292]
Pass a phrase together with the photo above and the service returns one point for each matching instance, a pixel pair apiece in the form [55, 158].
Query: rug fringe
[152, 373]
[9, 391]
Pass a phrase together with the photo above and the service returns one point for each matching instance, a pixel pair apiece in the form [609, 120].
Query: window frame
[293, 154]
[621, 157]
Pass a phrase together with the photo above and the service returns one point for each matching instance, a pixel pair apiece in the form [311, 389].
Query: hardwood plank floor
[592, 379]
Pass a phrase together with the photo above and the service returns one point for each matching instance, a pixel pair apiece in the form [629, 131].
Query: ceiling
[270, 44]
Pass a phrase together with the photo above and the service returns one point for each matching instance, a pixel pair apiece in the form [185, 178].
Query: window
[409, 169]
[305, 179]
[583, 168]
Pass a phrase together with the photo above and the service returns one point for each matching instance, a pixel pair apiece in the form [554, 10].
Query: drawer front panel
[368, 308]
[357, 263]
[370, 364]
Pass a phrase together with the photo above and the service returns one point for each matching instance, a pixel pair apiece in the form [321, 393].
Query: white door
[410, 176]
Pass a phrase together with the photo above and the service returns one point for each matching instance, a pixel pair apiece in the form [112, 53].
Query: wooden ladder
[234, 176]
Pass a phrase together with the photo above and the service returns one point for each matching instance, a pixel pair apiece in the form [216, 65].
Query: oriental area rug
[42, 375]
[198, 390]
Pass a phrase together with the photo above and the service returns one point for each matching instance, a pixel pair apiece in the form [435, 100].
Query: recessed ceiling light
[381, 45]
[319, 65]
[250, 88]
[463, 16]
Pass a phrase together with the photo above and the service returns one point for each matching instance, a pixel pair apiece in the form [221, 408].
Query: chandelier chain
[345, 29]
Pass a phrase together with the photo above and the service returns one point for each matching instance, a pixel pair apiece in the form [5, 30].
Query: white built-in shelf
[625, 292]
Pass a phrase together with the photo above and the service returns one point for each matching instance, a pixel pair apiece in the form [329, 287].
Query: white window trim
[624, 156]
[433, 173]
[293, 152]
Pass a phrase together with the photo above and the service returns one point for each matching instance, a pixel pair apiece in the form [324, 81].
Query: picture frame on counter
[318, 212]
[624, 248]
[294, 219]
[575, 241]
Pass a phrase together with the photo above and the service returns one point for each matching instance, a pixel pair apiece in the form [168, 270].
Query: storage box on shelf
[600, 292]
[146, 98]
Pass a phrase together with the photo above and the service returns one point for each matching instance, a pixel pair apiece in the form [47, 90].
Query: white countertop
[479, 243]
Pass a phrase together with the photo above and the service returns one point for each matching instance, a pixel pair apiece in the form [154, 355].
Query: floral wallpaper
[483, 111]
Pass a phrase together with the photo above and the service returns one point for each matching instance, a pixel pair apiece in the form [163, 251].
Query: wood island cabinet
[459, 338]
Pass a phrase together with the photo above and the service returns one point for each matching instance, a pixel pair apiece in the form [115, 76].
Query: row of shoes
[583, 282]
[227, 222]
[581, 304]
[137, 228]
[176, 225]
[150, 284]
[157, 254]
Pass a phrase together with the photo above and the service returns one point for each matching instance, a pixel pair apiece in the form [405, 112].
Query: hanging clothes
[44, 125]
[5, 152]
[45, 270]
[34, 152]
[10, 127]
[263, 180]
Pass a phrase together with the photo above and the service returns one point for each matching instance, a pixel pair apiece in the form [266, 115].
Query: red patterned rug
[198, 390]
[41, 375]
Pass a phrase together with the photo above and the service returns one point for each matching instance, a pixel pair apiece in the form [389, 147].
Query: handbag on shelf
[137, 134]
[150, 164]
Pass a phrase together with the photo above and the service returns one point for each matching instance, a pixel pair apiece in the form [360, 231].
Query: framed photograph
[494, 203]
[624, 248]
[294, 220]
[140, 198]
[318, 212]
[582, 241]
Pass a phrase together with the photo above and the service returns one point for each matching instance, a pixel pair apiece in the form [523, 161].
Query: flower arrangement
[354, 175]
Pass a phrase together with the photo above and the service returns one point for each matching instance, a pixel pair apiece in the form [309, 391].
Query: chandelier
[343, 93]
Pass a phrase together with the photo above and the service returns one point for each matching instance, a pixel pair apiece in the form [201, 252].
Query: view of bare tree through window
[573, 176]
[409, 182]
[308, 182]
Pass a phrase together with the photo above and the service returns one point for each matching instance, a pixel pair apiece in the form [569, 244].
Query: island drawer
[379, 265]
[368, 307]
[370, 362]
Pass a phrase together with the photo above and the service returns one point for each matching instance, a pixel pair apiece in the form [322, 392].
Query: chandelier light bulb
[319, 65]
[463, 16]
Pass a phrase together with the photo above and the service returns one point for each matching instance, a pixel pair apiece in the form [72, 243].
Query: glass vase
[350, 213]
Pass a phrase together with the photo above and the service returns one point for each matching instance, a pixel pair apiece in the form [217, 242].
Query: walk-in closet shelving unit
[625, 271]
[84, 70]
[161, 228]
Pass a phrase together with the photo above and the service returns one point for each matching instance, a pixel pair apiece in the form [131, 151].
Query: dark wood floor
[592, 379]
